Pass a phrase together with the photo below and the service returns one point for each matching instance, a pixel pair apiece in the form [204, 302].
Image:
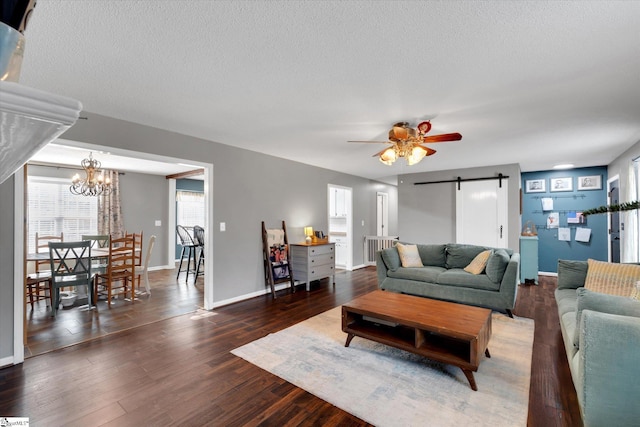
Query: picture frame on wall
[561, 184]
[535, 186]
[591, 182]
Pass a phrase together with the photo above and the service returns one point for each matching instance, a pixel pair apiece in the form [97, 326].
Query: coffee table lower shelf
[435, 346]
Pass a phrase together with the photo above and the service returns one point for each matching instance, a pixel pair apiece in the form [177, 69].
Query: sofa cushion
[425, 274]
[567, 301]
[477, 265]
[459, 277]
[497, 264]
[391, 258]
[434, 255]
[409, 256]
[604, 303]
[571, 274]
[459, 255]
[612, 278]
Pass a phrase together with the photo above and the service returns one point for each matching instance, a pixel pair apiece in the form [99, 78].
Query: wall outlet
[158, 223]
[223, 226]
[363, 222]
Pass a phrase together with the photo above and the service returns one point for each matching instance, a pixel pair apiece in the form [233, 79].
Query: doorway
[382, 214]
[341, 224]
[19, 253]
[613, 194]
[481, 213]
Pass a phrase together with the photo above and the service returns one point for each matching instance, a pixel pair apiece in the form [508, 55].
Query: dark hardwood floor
[179, 371]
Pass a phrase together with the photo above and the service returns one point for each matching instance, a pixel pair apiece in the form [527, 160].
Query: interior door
[382, 214]
[614, 222]
[481, 213]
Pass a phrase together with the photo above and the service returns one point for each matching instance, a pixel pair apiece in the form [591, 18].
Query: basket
[529, 229]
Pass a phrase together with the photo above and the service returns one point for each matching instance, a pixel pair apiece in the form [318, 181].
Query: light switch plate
[223, 226]
[158, 223]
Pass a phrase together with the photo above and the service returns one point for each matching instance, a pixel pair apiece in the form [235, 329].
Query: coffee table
[447, 332]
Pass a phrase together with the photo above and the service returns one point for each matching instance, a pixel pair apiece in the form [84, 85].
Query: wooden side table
[313, 261]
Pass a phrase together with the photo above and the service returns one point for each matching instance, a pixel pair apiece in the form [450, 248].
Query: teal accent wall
[550, 249]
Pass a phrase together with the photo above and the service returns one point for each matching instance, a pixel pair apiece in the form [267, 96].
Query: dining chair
[38, 283]
[70, 264]
[189, 248]
[98, 241]
[119, 274]
[198, 233]
[142, 270]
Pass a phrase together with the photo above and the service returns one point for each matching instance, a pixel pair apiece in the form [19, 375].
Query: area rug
[388, 387]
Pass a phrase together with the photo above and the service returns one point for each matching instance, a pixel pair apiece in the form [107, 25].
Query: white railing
[373, 244]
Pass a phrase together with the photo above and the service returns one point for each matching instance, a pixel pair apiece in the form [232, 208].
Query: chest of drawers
[313, 262]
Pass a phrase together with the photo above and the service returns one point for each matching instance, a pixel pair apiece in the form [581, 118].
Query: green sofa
[601, 335]
[443, 276]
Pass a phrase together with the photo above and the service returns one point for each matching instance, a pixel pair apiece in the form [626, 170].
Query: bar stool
[189, 246]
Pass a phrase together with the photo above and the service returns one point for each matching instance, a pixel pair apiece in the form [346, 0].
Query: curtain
[109, 210]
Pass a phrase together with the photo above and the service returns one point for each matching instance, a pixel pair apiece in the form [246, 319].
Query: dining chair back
[70, 264]
[98, 241]
[42, 245]
[138, 253]
[142, 270]
[189, 246]
[119, 274]
[198, 233]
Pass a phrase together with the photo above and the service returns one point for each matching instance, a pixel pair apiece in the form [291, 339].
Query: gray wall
[6, 267]
[249, 187]
[427, 213]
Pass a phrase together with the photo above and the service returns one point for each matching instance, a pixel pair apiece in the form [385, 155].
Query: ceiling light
[389, 156]
[94, 184]
[564, 166]
[417, 153]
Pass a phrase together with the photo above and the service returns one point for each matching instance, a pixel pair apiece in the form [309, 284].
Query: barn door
[481, 213]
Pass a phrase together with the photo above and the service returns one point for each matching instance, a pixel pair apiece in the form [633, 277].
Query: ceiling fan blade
[443, 138]
[374, 142]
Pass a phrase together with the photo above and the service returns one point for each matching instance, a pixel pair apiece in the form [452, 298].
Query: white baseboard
[161, 267]
[6, 361]
[239, 298]
[357, 267]
[547, 273]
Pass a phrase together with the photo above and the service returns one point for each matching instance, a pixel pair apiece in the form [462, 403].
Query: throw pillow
[611, 304]
[479, 262]
[497, 265]
[391, 258]
[409, 256]
[611, 278]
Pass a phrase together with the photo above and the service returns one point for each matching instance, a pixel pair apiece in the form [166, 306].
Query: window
[190, 208]
[52, 209]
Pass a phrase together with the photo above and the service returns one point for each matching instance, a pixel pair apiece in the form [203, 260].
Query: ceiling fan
[407, 142]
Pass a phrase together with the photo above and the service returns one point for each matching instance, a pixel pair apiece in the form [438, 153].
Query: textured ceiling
[535, 83]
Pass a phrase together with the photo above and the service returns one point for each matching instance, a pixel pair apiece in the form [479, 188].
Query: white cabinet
[338, 203]
[313, 262]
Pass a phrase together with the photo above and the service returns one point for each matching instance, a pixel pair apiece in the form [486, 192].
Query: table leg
[349, 338]
[472, 380]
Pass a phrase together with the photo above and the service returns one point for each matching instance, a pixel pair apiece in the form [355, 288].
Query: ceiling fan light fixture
[416, 154]
[389, 156]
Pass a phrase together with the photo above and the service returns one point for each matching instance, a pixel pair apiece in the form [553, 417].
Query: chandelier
[94, 184]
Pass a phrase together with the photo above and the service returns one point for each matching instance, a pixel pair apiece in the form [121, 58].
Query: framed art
[561, 184]
[591, 182]
[535, 186]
